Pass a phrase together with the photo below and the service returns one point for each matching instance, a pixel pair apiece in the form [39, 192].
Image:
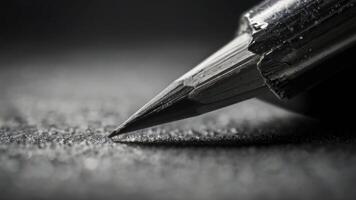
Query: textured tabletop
[57, 108]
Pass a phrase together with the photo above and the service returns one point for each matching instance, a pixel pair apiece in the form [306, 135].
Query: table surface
[57, 108]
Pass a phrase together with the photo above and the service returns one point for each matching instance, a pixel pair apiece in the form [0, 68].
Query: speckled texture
[53, 144]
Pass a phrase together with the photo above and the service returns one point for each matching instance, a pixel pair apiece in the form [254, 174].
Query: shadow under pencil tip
[261, 136]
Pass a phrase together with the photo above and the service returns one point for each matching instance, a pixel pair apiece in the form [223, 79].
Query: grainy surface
[56, 111]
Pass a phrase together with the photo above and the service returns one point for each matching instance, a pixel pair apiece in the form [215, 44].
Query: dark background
[65, 23]
[43, 39]
[101, 19]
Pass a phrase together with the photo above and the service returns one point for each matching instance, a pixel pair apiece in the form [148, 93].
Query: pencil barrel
[294, 37]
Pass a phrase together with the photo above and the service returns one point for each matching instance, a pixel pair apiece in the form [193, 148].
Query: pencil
[279, 47]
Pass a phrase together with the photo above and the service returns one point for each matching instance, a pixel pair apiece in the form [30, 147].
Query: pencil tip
[118, 131]
[170, 105]
[215, 83]
[112, 134]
